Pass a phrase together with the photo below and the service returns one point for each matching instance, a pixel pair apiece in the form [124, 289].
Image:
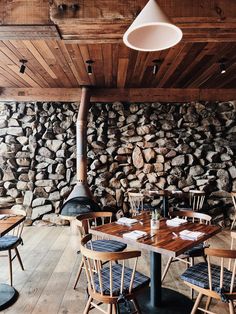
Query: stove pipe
[81, 199]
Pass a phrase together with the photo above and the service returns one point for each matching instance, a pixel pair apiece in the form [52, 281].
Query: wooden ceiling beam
[119, 94]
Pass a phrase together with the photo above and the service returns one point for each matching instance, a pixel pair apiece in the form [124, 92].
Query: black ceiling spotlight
[23, 66]
[89, 66]
[222, 63]
[156, 65]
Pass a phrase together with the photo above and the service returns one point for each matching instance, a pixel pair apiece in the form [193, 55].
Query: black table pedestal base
[172, 303]
[8, 295]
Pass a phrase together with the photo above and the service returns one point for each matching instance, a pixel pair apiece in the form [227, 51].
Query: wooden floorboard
[51, 262]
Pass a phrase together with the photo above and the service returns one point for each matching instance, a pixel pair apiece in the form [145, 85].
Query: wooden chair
[93, 219]
[213, 280]
[136, 202]
[13, 239]
[196, 199]
[233, 195]
[111, 283]
[188, 257]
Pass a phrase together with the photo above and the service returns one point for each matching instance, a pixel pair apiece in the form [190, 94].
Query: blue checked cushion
[140, 280]
[198, 276]
[106, 246]
[8, 242]
[197, 250]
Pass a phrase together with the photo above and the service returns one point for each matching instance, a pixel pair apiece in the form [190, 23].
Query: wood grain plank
[39, 58]
[17, 51]
[107, 64]
[62, 69]
[95, 52]
[26, 12]
[71, 63]
[118, 94]
[84, 51]
[167, 63]
[122, 72]
[176, 62]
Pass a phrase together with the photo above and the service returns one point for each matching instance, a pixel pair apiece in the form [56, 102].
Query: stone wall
[130, 146]
[156, 146]
[37, 155]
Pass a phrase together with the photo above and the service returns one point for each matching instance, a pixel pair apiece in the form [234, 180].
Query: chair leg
[109, 309]
[166, 268]
[136, 305]
[233, 223]
[191, 290]
[196, 304]
[231, 307]
[116, 308]
[19, 258]
[208, 302]
[10, 266]
[87, 307]
[78, 274]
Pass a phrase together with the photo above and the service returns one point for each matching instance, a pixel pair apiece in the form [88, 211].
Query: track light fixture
[89, 66]
[23, 66]
[156, 65]
[222, 63]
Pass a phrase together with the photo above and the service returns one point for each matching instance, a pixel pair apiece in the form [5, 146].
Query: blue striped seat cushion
[198, 276]
[140, 280]
[106, 246]
[8, 242]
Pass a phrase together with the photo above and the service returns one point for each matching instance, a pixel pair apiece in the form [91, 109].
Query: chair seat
[140, 280]
[106, 246]
[198, 276]
[8, 242]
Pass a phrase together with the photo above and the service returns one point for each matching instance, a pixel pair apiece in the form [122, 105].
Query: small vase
[155, 224]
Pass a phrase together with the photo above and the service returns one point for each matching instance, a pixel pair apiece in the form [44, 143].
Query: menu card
[175, 222]
[135, 234]
[190, 235]
[126, 221]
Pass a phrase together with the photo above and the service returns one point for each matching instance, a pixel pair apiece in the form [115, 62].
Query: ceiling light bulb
[222, 63]
[89, 66]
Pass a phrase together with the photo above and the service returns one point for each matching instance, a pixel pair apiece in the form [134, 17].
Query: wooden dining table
[158, 242]
[8, 294]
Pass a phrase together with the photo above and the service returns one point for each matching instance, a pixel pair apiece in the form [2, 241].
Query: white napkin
[135, 234]
[126, 221]
[190, 235]
[2, 216]
[175, 222]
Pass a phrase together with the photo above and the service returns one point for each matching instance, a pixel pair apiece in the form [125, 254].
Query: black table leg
[158, 300]
[155, 274]
[165, 207]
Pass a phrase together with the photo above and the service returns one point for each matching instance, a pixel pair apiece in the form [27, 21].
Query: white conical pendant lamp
[152, 30]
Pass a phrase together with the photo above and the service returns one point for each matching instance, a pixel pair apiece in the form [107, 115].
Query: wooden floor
[50, 260]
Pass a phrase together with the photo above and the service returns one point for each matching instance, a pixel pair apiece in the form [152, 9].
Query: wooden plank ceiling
[55, 63]
[57, 44]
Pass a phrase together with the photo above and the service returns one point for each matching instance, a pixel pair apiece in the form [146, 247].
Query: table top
[9, 223]
[161, 240]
